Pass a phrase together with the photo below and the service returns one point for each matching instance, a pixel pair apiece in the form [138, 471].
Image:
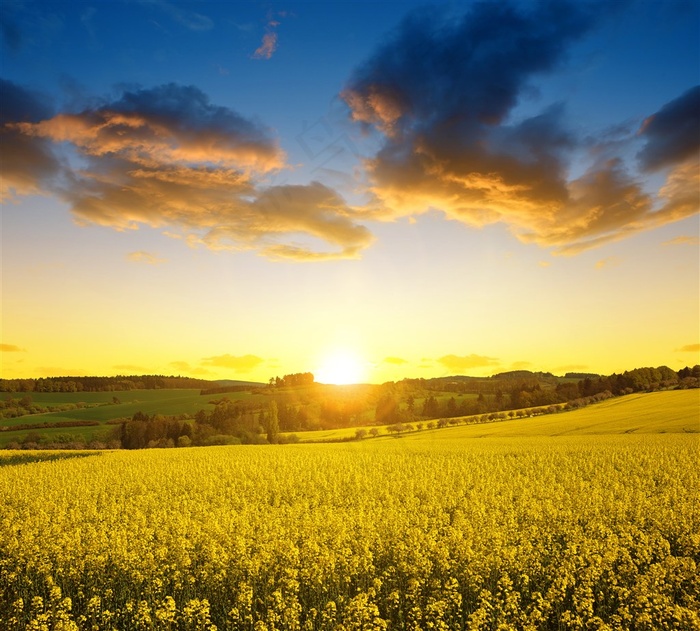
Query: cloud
[132, 368]
[689, 348]
[461, 363]
[189, 19]
[397, 361]
[672, 133]
[269, 40]
[442, 92]
[242, 364]
[167, 125]
[610, 261]
[28, 163]
[144, 257]
[268, 46]
[183, 366]
[683, 240]
[11, 348]
[166, 157]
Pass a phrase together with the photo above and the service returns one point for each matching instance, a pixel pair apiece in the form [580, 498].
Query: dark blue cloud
[673, 133]
[471, 71]
[20, 104]
[28, 163]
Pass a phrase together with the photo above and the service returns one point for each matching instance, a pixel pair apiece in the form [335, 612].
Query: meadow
[442, 529]
[100, 407]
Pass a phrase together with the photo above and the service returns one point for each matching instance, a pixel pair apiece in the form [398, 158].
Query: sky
[366, 191]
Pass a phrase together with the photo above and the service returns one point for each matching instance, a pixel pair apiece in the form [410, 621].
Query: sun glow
[341, 368]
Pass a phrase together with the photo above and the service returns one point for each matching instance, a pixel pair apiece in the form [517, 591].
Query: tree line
[522, 390]
[101, 384]
[229, 423]
[295, 380]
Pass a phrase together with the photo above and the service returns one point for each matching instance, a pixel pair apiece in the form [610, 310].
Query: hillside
[671, 412]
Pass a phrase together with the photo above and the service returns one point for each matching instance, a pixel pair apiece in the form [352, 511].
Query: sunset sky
[367, 191]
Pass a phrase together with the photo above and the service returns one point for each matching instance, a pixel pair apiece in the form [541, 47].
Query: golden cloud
[144, 257]
[397, 361]
[132, 368]
[610, 261]
[683, 240]
[11, 348]
[183, 366]
[459, 363]
[240, 364]
[167, 158]
[690, 348]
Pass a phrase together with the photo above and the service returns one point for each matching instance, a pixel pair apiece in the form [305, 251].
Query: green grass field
[168, 402]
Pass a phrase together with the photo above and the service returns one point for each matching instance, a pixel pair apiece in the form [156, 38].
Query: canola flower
[535, 533]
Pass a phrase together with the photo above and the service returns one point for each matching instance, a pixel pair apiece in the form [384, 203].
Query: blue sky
[389, 184]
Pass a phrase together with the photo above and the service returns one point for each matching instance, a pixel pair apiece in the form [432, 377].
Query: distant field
[168, 402]
[131, 401]
[674, 411]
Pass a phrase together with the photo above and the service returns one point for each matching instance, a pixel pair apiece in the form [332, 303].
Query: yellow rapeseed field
[576, 532]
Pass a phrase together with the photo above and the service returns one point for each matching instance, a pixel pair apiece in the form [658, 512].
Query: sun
[341, 368]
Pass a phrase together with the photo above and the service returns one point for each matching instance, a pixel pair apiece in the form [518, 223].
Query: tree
[431, 407]
[271, 423]
[387, 410]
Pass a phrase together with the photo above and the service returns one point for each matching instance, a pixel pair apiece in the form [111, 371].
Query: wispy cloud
[269, 40]
[132, 368]
[396, 361]
[239, 364]
[145, 257]
[689, 348]
[465, 362]
[268, 46]
[182, 366]
[610, 261]
[683, 240]
[189, 19]
[11, 348]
